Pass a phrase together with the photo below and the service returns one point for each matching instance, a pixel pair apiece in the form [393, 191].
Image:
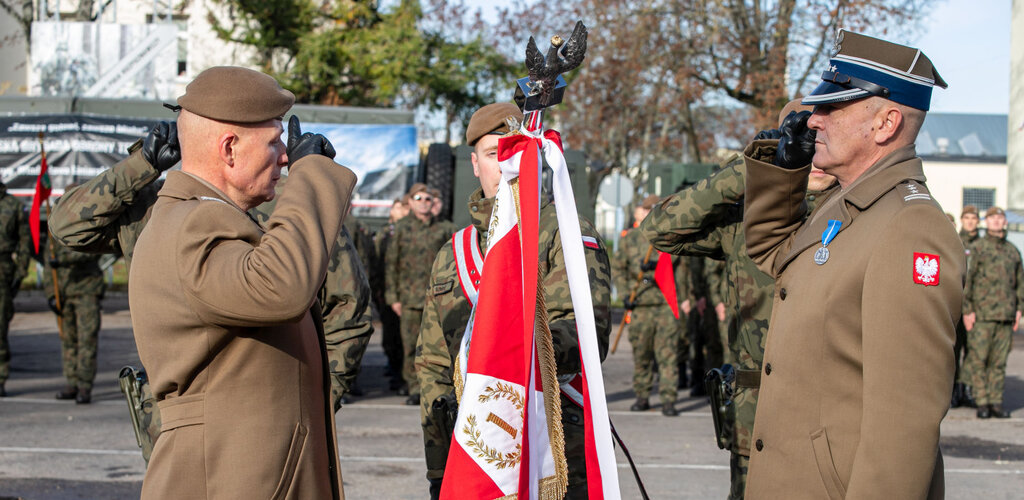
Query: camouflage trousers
[572, 429]
[988, 345]
[738, 465]
[6, 313]
[654, 335]
[960, 354]
[391, 336]
[410, 334]
[80, 325]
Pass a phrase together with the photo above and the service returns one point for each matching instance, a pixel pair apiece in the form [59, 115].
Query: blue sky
[969, 43]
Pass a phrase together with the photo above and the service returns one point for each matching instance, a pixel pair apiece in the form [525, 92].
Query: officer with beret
[858, 365]
[220, 301]
[993, 300]
[447, 308]
[108, 213]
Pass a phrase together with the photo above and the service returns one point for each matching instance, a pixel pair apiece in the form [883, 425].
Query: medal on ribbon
[821, 254]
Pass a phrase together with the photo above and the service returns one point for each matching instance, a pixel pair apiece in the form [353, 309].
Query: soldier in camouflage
[707, 219]
[391, 334]
[963, 395]
[417, 238]
[16, 247]
[993, 300]
[446, 311]
[655, 326]
[76, 302]
[108, 213]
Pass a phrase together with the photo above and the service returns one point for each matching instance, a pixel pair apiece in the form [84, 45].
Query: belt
[181, 411]
[750, 379]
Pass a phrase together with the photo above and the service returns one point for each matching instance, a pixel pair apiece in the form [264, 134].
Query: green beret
[491, 119]
[238, 95]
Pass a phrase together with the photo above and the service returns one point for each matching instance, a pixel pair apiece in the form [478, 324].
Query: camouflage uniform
[444, 321]
[81, 286]
[653, 331]
[391, 335]
[994, 292]
[409, 255]
[960, 349]
[718, 290]
[707, 219]
[16, 247]
[107, 215]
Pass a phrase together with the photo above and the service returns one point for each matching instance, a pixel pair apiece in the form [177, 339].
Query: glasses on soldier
[423, 197]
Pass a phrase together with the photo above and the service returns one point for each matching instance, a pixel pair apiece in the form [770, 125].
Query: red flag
[665, 277]
[42, 193]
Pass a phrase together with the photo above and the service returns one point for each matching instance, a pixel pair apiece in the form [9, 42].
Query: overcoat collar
[844, 205]
[186, 186]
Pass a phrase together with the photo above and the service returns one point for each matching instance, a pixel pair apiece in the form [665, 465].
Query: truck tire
[439, 173]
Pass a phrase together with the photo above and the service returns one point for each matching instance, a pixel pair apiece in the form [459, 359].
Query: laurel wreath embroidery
[505, 391]
[490, 455]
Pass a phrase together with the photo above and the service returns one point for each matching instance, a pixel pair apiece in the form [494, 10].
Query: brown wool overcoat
[227, 327]
[858, 365]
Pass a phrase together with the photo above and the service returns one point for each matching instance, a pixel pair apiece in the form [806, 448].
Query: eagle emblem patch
[926, 269]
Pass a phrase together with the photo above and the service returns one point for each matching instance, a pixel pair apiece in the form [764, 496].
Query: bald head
[243, 160]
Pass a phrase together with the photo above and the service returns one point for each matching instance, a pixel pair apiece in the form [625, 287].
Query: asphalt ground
[52, 450]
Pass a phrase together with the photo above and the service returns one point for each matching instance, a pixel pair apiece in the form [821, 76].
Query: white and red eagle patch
[926, 269]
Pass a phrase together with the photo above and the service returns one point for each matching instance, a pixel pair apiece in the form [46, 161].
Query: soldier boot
[69, 392]
[84, 396]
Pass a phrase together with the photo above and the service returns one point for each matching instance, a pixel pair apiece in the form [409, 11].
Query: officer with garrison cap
[447, 307]
[858, 365]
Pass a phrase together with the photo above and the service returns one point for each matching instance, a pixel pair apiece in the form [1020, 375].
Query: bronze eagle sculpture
[563, 56]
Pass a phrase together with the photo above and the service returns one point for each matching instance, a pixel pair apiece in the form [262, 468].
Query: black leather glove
[300, 144]
[650, 265]
[52, 302]
[796, 146]
[628, 304]
[772, 133]
[160, 148]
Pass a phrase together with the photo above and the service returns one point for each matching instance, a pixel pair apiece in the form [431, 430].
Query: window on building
[980, 197]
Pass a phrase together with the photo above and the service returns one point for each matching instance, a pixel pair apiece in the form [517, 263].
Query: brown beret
[792, 106]
[490, 119]
[238, 95]
[969, 209]
[650, 201]
[994, 210]
[419, 187]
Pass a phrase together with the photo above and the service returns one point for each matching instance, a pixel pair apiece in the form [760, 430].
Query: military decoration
[821, 254]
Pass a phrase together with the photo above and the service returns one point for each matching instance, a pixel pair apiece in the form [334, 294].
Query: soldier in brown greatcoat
[222, 304]
[858, 365]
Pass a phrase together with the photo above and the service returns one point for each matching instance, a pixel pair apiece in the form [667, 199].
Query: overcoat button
[759, 444]
[768, 369]
[782, 294]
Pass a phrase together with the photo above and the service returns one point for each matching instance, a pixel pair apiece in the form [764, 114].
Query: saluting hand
[796, 144]
[160, 147]
[300, 145]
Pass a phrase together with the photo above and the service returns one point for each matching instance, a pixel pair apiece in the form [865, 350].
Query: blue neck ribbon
[831, 231]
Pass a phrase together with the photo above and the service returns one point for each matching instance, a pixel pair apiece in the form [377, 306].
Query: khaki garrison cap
[490, 119]
[994, 210]
[862, 66]
[237, 95]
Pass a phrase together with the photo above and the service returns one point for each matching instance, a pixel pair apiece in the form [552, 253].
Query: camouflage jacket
[967, 239]
[627, 266]
[995, 281]
[446, 312]
[78, 274]
[107, 213]
[15, 241]
[410, 252]
[707, 219]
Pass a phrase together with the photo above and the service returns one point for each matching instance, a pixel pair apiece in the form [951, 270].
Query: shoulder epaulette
[912, 191]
